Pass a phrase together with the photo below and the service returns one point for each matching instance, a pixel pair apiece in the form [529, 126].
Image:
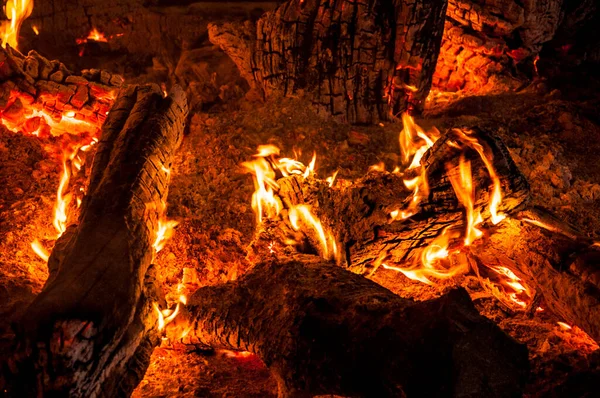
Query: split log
[561, 264]
[361, 62]
[91, 330]
[358, 215]
[323, 330]
[30, 84]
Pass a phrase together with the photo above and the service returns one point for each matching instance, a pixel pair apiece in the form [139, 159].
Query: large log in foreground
[91, 330]
[359, 61]
[323, 330]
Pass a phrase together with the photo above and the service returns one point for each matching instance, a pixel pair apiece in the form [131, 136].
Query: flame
[264, 201]
[513, 282]
[462, 182]
[331, 179]
[564, 326]
[303, 213]
[164, 233]
[40, 250]
[496, 197]
[35, 29]
[16, 11]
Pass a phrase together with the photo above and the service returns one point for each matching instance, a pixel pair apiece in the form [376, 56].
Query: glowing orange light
[16, 11]
[462, 182]
[40, 250]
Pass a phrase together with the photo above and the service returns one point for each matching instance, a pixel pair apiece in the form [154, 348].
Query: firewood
[323, 330]
[358, 215]
[361, 62]
[91, 330]
[33, 83]
[559, 262]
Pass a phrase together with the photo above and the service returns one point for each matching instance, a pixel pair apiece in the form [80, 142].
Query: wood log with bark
[361, 62]
[37, 94]
[561, 265]
[91, 330]
[323, 330]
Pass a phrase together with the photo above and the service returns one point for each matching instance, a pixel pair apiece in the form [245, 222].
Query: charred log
[358, 215]
[91, 330]
[30, 84]
[361, 62]
[323, 330]
[561, 264]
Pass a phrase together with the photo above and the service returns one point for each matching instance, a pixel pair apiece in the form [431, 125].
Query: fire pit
[382, 198]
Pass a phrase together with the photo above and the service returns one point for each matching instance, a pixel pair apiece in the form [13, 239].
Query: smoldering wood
[31, 83]
[358, 214]
[560, 263]
[323, 330]
[91, 330]
[362, 62]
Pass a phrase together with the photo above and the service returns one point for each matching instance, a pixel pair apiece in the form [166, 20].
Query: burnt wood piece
[488, 45]
[92, 329]
[360, 61]
[358, 215]
[559, 263]
[323, 330]
[31, 83]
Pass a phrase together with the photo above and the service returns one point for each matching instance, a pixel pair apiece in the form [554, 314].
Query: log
[560, 263]
[91, 330]
[358, 214]
[36, 92]
[362, 62]
[323, 330]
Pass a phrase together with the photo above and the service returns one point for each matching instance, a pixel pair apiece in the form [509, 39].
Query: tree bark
[91, 330]
[32, 83]
[362, 62]
[323, 330]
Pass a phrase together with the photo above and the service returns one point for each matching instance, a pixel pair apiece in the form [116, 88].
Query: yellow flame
[16, 11]
[164, 233]
[462, 182]
[564, 326]
[303, 213]
[514, 283]
[40, 250]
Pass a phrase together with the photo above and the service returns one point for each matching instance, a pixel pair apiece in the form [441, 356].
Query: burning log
[323, 330]
[362, 62]
[378, 217]
[560, 263]
[94, 325]
[38, 95]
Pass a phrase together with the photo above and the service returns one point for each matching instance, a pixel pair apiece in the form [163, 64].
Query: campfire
[299, 198]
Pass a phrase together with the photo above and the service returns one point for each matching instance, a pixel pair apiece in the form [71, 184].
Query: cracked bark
[361, 62]
[91, 330]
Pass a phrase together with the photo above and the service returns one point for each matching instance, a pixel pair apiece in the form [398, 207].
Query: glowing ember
[94, 36]
[16, 11]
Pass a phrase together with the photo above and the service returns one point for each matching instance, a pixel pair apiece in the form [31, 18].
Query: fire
[302, 213]
[40, 250]
[164, 233]
[462, 182]
[95, 36]
[414, 141]
[520, 293]
[264, 201]
[16, 11]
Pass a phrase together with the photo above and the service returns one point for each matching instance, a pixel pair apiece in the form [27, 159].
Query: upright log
[360, 61]
[91, 330]
[323, 330]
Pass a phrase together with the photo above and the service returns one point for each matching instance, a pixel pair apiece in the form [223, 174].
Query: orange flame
[164, 233]
[462, 182]
[328, 245]
[16, 11]
[519, 291]
[40, 250]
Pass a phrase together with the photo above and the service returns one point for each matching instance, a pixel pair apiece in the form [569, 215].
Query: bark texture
[31, 83]
[91, 330]
[360, 61]
[485, 41]
[323, 330]
[358, 215]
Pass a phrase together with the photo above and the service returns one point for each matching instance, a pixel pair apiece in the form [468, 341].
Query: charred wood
[91, 330]
[323, 330]
[361, 62]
